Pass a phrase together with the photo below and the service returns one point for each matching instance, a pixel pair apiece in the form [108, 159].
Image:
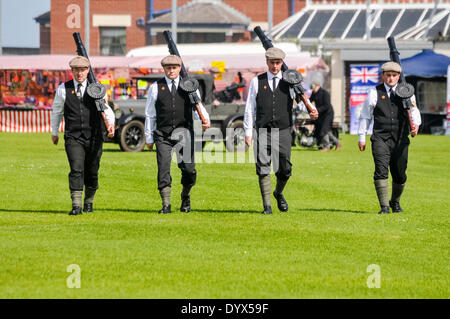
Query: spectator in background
[325, 138]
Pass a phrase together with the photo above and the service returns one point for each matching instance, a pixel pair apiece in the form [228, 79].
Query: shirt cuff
[249, 132]
[362, 138]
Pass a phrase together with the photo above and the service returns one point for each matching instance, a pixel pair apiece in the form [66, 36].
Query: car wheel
[132, 137]
[235, 140]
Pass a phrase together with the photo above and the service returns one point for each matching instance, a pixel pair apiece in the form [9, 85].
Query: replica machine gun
[94, 89]
[404, 90]
[292, 77]
[230, 93]
[187, 83]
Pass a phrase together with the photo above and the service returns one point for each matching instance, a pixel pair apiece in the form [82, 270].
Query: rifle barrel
[267, 43]
[81, 50]
[195, 100]
[174, 50]
[395, 56]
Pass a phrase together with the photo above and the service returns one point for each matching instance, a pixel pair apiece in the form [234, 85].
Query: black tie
[174, 88]
[79, 91]
[391, 94]
[274, 84]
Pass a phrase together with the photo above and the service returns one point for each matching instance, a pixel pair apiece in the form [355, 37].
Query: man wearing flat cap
[390, 140]
[83, 136]
[268, 114]
[169, 125]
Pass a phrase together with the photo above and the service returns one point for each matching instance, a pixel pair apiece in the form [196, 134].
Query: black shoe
[384, 210]
[267, 210]
[396, 208]
[165, 210]
[185, 204]
[75, 211]
[88, 207]
[281, 202]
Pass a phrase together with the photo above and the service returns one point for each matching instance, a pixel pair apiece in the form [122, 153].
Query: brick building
[117, 26]
[44, 32]
[113, 27]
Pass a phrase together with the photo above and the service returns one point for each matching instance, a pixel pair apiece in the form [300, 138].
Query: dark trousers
[181, 141]
[84, 160]
[270, 146]
[390, 154]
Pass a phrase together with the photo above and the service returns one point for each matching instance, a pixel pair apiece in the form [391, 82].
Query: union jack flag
[364, 74]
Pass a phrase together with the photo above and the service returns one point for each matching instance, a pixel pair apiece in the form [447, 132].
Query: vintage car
[227, 119]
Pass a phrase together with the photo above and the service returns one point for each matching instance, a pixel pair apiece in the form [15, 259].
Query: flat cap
[171, 60]
[275, 53]
[79, 62]
[391, 66]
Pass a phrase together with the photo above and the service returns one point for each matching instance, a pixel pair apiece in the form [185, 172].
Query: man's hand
[248, 140]
[111, 131]
[314, 114]
[415, 130]
[362, 146]
[55, 139]
[150, 146]
[206, 125]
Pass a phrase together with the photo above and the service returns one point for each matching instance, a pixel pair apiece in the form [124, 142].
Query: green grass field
[225, 248]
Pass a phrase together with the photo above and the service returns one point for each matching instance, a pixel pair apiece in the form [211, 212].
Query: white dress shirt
[250, 107]
[150, 109]
[369, 105]
[58, 106]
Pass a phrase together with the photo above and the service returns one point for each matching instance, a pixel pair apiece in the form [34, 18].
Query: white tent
[237, 56]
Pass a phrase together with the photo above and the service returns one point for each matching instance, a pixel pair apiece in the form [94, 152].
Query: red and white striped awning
[27, 121]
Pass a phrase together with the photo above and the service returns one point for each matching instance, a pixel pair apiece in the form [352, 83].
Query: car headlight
[118, 113]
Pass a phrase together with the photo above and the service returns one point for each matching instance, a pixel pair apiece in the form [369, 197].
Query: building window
[113, 41]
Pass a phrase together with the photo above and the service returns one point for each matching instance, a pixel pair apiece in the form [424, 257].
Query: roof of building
[43, 18]
[345, 20]
[204, 13]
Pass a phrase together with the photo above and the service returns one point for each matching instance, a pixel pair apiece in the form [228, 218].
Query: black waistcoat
[172, 111]
[81, 117]
[389, 116]
[273, 109]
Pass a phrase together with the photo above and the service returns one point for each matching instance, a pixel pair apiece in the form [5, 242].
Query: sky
[18, 27]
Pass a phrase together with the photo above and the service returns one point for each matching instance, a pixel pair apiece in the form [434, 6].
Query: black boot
[165, 210]
[75, 211]
[185, 204]
[186, 199]
[281, 202]
[267, 210]
[278, 194]
[396, 208]
[397, 190]
[88, 207]
[384, 210]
